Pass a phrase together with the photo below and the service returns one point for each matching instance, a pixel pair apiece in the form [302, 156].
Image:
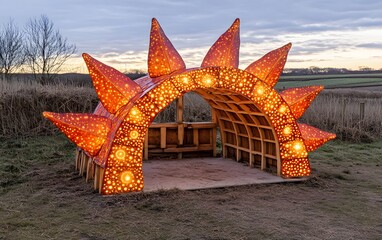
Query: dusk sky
[342, 33]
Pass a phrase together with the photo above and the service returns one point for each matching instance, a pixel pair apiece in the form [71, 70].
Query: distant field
[332, 81]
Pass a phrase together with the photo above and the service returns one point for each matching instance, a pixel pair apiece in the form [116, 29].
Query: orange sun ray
[314, 137]
[113, 88]
[299, 99]
[270, 66]
[225, 51]
[163, 58]
[87, 131]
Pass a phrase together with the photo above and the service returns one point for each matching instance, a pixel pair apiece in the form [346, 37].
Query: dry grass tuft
[339, 111]
[21, 105]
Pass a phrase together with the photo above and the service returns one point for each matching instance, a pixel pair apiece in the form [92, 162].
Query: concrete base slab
[201, 173]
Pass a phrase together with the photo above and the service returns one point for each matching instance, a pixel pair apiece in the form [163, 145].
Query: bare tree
[11, 49]
[45, 49]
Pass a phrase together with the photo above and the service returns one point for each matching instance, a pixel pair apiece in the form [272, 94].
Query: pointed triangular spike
[270, 66]
[299, 99]
[163, 58]
[314, 137]
[87, 131]
[225, 51]
[114, 89]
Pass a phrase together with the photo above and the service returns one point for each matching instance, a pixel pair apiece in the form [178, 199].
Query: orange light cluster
[114, 135]
[295, 167]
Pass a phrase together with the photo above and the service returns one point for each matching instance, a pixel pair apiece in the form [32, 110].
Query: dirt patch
[342, 200]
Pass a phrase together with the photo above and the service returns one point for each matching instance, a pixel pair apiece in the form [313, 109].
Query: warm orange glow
[114, 135]
[134, 134]
[120, 154]
[287, 130]
[87, 131]
[299, 99]
[113, 88]
[225, 51]
[163, 57]
[127, 177]
[282, 109]
[270, 67]
[314, 137]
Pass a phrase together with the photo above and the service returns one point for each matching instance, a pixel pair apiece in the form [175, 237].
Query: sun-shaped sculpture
[114, 134]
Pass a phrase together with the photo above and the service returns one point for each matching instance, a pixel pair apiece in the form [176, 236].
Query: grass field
[43, 198]
[331, 81]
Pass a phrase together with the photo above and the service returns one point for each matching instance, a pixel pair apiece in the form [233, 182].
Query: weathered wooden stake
[362, 110]
[179, 120]
[343, 112]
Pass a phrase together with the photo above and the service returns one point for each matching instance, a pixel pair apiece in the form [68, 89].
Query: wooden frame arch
[121, 155]
[249, 109]
[252, 129]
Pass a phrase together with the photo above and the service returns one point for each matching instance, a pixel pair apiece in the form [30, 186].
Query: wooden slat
[214, 133]
[96, 177]
[101, 173]
[179, 120]
[166, 125]
[163, 138]
[195, 135]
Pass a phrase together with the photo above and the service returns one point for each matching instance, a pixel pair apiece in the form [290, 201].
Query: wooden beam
[214, 133]
[179, 120]
[96, 177]
[163, 138]
[102, 172]
[195, 134]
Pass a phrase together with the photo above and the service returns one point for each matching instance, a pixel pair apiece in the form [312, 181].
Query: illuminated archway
[114, 135]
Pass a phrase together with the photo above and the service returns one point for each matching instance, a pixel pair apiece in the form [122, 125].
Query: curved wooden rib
[270, 66]
[100, 110]
[299, 99]
[114, 89]
[87, 131]
[225, 51]
[314, 137]
[163, 58]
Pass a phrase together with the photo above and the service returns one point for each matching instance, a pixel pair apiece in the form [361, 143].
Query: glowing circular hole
[260, 90]
[287, 130]
[127, 177]
[185, 80]
[282, 109]
[134, 134]
[297, 146]
[134, 112]
[120, 154]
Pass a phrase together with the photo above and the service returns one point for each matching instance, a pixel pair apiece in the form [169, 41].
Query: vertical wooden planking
[96, 177]
[102, 172]
[163, 138]
[195, 134]
[214, 133]
[179, 120]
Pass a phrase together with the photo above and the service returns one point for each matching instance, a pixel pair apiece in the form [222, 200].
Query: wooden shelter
[257, 124]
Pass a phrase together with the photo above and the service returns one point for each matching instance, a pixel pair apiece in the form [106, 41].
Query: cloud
[110, 29]
[377, 45]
